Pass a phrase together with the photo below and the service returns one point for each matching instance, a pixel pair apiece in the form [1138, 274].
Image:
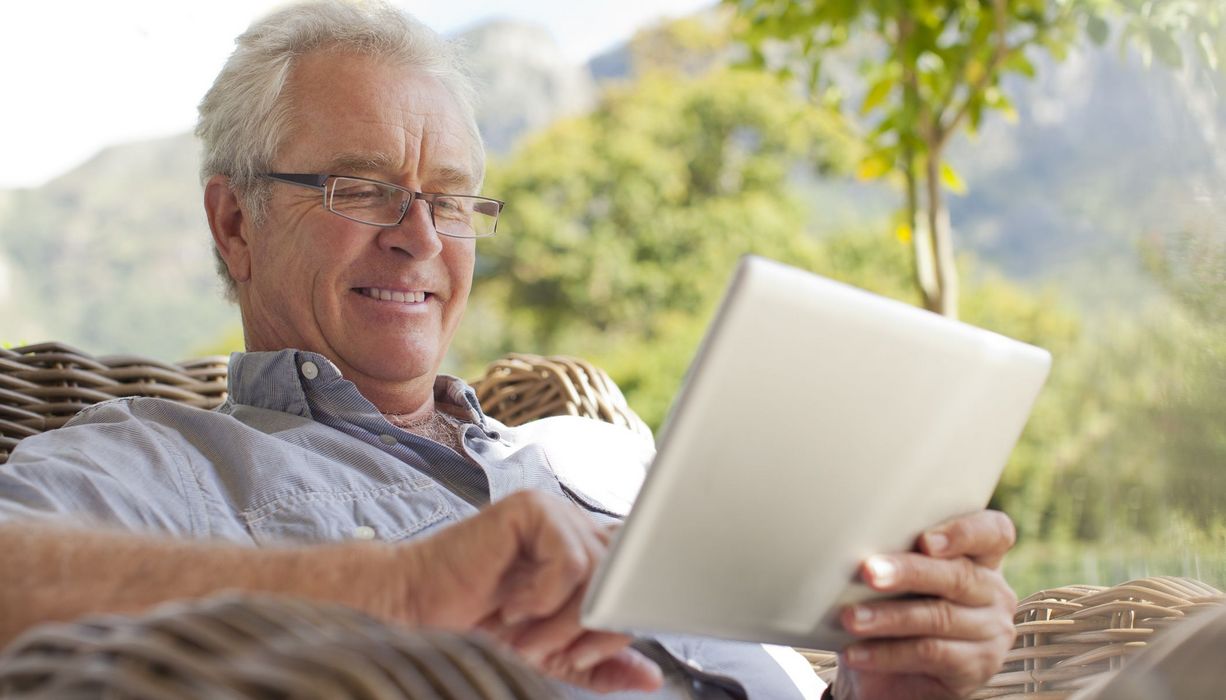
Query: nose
[415, 236]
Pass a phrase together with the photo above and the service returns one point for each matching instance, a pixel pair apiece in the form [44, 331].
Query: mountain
[523, 79]
[115, 255]
[1104, 154]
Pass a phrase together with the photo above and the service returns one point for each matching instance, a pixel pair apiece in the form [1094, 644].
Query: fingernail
[858, 655]
[656, 673]
[883, 570]
[510, 618]
[862, 615]
[937, 542]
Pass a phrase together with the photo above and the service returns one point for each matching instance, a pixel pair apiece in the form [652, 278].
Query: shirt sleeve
[106, 467]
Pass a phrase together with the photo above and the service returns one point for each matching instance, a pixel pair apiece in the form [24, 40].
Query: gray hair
[245, 115]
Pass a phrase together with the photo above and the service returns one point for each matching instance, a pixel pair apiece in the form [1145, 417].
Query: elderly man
[341, 168]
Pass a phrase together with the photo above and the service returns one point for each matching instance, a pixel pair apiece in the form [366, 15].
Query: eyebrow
[360, 162]
[451, 177]
[445, 177]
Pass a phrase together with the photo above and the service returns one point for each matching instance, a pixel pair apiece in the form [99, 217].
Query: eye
[355, 191]
[451, 207]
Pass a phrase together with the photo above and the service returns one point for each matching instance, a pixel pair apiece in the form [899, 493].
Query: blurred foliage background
[627, 220]
[1086, 223]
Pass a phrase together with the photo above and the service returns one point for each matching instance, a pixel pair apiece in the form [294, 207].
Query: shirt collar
[281, 381]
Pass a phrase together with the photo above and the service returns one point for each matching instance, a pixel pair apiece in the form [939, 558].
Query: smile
[389, 295]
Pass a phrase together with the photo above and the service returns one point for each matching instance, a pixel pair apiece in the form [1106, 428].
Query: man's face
[315, 276]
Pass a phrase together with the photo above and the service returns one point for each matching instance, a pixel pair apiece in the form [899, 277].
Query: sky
[79, 75]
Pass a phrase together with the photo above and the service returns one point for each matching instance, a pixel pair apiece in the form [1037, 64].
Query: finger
[929, 617]
[958, 664]
[541, 639]
[956, 580]
[561, 549]
[984, 537]
[593, 648]
[627, 670]
[608, 531]
[492, 625]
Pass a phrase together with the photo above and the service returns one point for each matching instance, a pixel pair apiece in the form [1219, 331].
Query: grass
[1036, 565]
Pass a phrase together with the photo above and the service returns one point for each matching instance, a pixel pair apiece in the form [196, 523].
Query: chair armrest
[258, 647]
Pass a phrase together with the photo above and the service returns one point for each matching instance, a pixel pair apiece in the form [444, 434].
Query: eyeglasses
[383, 204]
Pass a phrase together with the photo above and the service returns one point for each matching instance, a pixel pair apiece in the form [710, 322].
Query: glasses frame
[319, 181]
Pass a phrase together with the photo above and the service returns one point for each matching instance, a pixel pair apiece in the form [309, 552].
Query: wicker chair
[44, 385]
[1067, 637]
[259, 648]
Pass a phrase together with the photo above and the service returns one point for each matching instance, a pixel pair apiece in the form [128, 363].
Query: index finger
[982, 537]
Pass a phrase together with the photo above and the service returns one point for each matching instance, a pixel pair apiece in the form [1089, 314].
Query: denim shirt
[296, 455]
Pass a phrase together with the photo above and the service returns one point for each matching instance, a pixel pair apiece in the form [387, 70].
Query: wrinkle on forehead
[385, 121]
[451, 179]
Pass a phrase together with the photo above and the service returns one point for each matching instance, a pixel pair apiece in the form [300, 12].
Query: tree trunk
[924, 267]
[945, 301]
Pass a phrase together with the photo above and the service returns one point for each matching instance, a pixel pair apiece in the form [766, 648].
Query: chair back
[43, 386]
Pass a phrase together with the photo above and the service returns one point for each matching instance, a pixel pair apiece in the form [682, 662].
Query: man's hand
[519, 570]
[946, 644]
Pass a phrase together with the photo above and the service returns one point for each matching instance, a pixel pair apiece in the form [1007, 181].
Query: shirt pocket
[388, 513]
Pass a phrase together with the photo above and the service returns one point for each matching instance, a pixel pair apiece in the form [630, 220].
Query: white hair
[245, 114]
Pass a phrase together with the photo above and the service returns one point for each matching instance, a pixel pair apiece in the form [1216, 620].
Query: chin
[408, 363]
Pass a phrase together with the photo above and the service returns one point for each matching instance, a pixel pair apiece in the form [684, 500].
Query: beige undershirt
[439, 426]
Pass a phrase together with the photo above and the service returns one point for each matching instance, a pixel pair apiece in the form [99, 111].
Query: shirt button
[388, 440]
[310, 370]
[364, 532]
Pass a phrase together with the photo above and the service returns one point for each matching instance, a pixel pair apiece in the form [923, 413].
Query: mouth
[399, 297]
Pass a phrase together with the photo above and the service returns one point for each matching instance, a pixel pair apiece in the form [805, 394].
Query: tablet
[818, 424]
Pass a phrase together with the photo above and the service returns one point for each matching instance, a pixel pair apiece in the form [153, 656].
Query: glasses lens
[465, 217]
[368, 201]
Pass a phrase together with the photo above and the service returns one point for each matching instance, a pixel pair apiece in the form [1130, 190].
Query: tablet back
[818, 424]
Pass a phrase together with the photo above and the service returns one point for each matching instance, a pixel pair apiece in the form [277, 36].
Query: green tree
[936, 67]
[1128, 435]
[623, 224]
[1187, 412]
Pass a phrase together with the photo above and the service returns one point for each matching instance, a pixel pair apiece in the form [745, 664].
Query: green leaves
[1163, 30]
[878, 93]
[1165, 48]
[644, 205]
[874, 166]
[951, 179]
[1097, 29]
[1209, 52]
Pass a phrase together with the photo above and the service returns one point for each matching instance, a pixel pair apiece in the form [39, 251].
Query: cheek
[283, 256]
[460, 265]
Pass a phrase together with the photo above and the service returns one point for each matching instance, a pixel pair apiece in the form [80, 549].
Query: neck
[411, 400]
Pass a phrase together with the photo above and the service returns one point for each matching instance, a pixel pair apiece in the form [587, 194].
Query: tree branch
[942, 132]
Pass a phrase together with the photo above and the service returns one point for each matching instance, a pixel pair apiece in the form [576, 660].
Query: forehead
[364, 115]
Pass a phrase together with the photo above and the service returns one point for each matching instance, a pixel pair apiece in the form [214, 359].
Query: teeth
[399, 297]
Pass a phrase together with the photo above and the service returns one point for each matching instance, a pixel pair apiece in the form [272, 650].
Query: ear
[230, 226]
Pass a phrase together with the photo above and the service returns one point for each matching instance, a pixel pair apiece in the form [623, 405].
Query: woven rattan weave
[42, 386]
[1068, 637]
[258, 648]
[520, 388]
